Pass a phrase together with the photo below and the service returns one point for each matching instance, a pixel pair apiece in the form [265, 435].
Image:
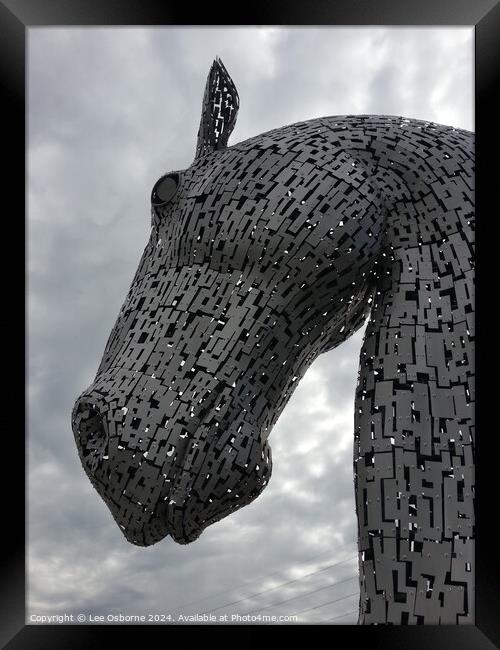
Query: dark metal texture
[220, 107]
[262, 256]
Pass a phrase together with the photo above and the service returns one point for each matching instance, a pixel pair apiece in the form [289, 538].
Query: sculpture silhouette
[263, 255]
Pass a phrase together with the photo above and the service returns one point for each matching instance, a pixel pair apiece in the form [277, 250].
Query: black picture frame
[17, 16]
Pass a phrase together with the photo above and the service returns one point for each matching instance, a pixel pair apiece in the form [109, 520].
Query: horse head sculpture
[263, 255]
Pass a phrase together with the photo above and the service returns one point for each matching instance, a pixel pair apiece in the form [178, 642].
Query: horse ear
[219, 110]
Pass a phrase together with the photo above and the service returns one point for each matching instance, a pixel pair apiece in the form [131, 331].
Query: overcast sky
[110, 110]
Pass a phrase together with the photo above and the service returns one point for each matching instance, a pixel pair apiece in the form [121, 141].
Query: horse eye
[165, 189]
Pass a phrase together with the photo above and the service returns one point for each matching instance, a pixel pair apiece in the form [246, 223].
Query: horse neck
[414, 419]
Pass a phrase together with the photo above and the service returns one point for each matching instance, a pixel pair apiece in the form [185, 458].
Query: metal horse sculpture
[263, 255]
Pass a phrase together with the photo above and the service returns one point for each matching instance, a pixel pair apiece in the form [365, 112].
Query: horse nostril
[90, 429]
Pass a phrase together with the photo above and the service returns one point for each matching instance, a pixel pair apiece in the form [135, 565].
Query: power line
[288, 600]
[265, 591]
[265, 577]
[223, 593]
[330, 602]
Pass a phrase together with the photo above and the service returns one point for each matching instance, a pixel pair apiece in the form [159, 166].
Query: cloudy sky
[110, 110]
